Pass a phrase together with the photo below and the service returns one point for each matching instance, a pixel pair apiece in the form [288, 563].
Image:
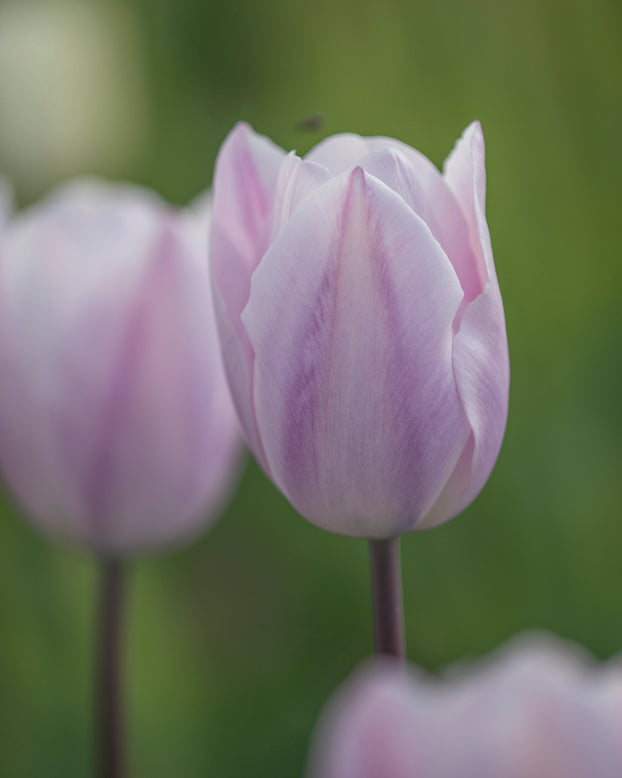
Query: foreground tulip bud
[362, 326]
[539, 709]
[116, 427]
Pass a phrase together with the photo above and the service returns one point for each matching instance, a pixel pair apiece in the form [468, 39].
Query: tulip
[363, 334]
[538, 709]
[362, 326]
[117, 430]
[116, 427]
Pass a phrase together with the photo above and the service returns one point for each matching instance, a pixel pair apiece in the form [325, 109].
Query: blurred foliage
[235, 642]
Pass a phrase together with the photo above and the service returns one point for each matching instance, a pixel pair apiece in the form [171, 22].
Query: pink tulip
[538, 709]
[362, 326]
[116, 427]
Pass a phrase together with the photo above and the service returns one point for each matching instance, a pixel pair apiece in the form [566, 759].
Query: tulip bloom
[539, 709]
[362, 326]
[116, 427]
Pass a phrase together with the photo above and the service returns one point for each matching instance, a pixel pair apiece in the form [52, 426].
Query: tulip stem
[110, 723]
[386, 583]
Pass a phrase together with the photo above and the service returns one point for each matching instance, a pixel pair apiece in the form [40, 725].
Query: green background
[235, 642]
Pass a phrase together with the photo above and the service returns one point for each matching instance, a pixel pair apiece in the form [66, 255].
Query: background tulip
[117, 431]
[537, 709]
[362, 326]
[116, 427]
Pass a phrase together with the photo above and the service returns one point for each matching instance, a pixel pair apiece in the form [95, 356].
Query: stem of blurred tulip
[110, 724]
[386, 582]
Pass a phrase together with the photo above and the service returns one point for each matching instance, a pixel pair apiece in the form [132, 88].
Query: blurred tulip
[539, 709]
[116, 427]
[362, 326]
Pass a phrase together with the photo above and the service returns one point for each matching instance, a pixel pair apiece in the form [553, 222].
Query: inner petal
[340, 152]
[297, 180]
[423, 188]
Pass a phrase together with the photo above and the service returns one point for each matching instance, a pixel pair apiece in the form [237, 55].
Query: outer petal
[245, 181]
[68, 273]
[350, 318]
[182, 434]
[528, 712]
[61, 253]
[369, 729]
[168, 435]
[225, 436]
[607, 697]
[481, 361]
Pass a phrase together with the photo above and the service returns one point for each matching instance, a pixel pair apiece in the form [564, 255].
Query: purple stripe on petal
[118, 403]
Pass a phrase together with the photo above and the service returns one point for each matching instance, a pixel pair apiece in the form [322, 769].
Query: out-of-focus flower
[117, 430]
[539, 709]
[362, 326]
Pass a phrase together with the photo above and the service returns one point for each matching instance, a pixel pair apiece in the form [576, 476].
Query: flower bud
[362, 326]
[117, 430]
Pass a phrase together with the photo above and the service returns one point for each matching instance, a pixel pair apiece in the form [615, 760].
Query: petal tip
[475, 127]
[239, 136]
[242, 128]
[357, 180]
[474, 137]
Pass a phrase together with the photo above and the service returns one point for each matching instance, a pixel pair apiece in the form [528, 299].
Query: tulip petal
[481, 361]
[370, 729]
[423, 188]
[411, 174]
[297, 180]
[94, 251]
[245, 182]
[83, 235]
[465, 173]
[340, 152]
[148, 480]
[350, 319]
[30, 463]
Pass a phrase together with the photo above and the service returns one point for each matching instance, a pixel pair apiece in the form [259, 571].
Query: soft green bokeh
[235, 643]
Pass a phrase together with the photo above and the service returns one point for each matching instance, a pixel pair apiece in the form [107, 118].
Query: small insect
[311, 123]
